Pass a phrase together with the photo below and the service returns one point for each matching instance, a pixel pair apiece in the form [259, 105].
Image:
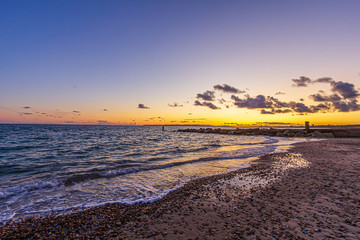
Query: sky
[235, 63]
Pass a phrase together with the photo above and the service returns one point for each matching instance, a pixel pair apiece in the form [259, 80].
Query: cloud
[342, 106]
[277, 103]
[343, 97]
[282, 110]
[26, 107]
[197, 119]
[346, 90]
[105, 110]
[301, 82]
[263, 111]
[206, 96]
[324, 80]
[69, 121]
[102, 122]
[321, 107]
[251, 103]
[206, 104]
[274, 111]
[304, 81]
[175, 105]
[227, 89]
[76, 112]
[25, 113]
[222, 101]
[142, 106]
[274, 123]
[323, 98]
[300, 107]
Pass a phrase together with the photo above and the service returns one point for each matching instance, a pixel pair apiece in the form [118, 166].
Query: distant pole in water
[163, 128]
[307, 126]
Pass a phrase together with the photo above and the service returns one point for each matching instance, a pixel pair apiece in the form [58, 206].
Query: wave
[102, 173]
[240, 154]
[12, 191]
[182, 150]
[17, 148]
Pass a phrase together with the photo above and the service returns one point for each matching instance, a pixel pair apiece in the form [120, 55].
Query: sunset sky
[180, 62]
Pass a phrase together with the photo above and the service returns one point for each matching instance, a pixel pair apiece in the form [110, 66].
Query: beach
[309, 192]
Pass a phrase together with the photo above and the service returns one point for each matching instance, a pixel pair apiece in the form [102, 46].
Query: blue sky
[90, 55]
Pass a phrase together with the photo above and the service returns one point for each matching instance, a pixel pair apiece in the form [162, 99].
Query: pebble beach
[309, 192]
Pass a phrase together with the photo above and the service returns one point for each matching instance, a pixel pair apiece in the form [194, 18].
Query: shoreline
[282, 132]
[296, 203]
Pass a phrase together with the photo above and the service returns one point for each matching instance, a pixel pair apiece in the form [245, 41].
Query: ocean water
[46, 168]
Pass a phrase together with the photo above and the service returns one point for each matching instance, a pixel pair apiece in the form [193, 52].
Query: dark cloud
[343, 106]
[222, 101]
[346, 90]
[282, 110]
[263, 111]
[343, 98]
[25, 113]
[102, 122]
[142, 106]
[227, 89]
[274, 123]
[277, 103]
[300, 107]
[274, 111]
[197, 119]
[69, 121]
[105, 110]
[304, 81]
[324, 80]
[323, 98]
[206, 96]
[76, 111]
[206, 104]
[175, 105]
[301, 82]
[26, 107]
[321, 107]
[260, 101]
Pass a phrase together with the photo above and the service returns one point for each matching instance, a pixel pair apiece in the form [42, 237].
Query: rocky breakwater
[280, 132]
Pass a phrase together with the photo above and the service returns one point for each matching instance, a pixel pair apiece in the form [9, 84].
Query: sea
[54, 168]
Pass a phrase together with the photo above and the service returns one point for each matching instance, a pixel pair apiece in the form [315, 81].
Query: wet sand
[311, 192]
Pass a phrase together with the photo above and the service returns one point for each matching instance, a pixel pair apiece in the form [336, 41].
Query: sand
[311, 192]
